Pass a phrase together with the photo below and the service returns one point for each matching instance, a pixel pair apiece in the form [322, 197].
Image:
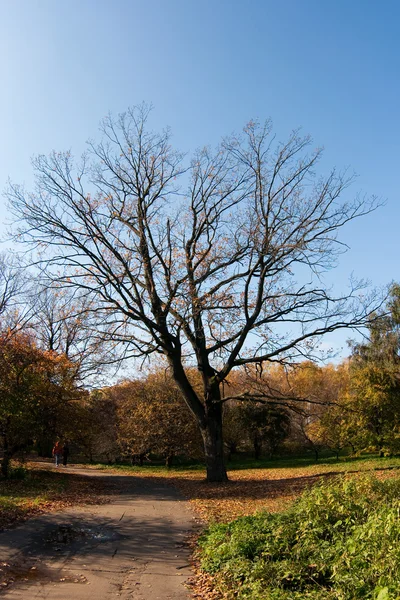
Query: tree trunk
[316, 453]
[257, 447]
[232, 449]
[208, 417]
[169, 460]
[5, 463]
[211, 433]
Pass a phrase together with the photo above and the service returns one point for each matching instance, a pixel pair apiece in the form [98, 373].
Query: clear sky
[331, 67]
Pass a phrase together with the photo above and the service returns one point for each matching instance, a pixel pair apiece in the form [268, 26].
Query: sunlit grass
[44, 490]
[267, 485]
[243, 464]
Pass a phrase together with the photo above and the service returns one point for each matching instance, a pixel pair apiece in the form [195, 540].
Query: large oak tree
[214, 264]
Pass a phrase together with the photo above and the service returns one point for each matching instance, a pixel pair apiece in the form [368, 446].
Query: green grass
[35, 483]
[345, 463]
[149, 468]
[339, 541]
[21, 496]
[368, 462]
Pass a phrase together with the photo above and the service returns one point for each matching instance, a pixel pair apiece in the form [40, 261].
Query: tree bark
[232, 449]
[257, 447]
[211, 432]
[5, 463]
[208, 415]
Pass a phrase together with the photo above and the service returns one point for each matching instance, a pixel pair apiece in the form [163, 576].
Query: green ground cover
[326, 464]
[27, 492]
[36, 489]
[338, 541]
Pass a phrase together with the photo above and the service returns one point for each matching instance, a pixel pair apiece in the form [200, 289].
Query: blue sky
[331, 67]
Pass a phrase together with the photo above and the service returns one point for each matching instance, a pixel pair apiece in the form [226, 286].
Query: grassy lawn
[42, 490]
[258, 486]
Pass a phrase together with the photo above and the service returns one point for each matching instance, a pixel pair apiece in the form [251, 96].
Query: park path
[132, 548]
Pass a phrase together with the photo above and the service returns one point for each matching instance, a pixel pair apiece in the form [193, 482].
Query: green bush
[17, 472]
[339, 541]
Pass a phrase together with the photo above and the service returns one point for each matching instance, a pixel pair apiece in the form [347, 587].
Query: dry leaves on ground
[46, 491]
[246, 493]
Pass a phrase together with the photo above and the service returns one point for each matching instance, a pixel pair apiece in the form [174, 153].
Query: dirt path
[133, 548]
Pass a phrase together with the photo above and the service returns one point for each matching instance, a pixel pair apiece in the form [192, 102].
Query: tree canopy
[37, 391]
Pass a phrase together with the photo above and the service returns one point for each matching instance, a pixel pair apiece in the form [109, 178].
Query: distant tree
[329, 431]
[152, 418]
[62, 321]
[321, 420]
[13, 313]
[266, 427]
[309, 396]
[375, 380]
[382, 343]
[224, 274]
[36, 389]
[93, 426]
[233, 427]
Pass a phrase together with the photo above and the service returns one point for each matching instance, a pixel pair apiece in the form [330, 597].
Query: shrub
[339, 541]
[17, 472]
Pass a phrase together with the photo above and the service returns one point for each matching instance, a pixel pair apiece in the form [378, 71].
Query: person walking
[57, 453]
[65, 453]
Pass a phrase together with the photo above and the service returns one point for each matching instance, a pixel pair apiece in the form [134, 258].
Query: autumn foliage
[37, 390]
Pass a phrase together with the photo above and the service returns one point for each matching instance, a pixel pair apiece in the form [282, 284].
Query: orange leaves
[33, 383]
[152, 416]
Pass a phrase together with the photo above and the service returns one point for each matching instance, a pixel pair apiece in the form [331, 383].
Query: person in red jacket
[57, 453]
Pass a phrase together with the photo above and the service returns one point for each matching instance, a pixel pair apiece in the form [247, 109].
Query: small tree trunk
[232, 449]
[211, 433]
[169, 460]
[5, 463]
[257, 447]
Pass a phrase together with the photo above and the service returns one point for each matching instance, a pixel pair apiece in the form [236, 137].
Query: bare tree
[225, 274]
[63, 321]
[13, 310]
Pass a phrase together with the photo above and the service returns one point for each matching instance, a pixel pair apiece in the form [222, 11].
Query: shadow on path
[134, 546]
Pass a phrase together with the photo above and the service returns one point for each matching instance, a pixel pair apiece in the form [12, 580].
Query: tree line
[353, 406]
